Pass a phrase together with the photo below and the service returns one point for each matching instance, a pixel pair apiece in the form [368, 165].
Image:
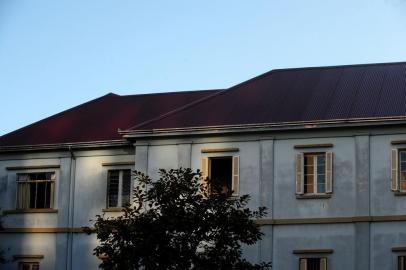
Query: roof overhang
[262, 127]
[65, 146]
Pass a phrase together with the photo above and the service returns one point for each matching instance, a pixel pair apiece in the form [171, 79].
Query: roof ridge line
[181, 108]
[197, 101]
[340, 66]
[171, 92]
[110, 94]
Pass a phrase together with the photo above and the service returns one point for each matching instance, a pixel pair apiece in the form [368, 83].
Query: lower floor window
[313, 264]
[28, 266]
[401, 263]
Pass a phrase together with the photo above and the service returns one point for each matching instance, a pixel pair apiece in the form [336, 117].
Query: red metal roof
[290, 95]
[302, 94]
[100, 119]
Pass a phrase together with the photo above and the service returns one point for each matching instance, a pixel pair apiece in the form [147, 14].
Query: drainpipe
[71, 208]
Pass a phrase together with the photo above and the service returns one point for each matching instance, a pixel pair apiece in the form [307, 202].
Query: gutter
[65, 146]
[264, 127]
[71, 210]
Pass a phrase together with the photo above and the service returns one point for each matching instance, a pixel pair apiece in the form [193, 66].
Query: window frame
[210, 171]
[313, 257]
[235, 168]
[315, 173]
[30, 264]
[121, 170]
[399, 170]
[53, 193]
[300, 174]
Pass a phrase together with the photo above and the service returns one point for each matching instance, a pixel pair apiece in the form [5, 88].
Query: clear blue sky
[57, 54]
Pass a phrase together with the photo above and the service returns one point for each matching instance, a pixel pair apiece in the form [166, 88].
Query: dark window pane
[309, 184]
[48, 195]
[41, 192]
[126, 189]
[33, 192]
[313, 264]
[112, 188]
[402, 156]
[221, 173]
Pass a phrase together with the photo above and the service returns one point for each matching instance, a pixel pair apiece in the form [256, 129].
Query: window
[314, 173]
[224, 171]
[313, 264]
[28, 266]
[398, 167]
[118, 188]
[401, 262]
[35, 190]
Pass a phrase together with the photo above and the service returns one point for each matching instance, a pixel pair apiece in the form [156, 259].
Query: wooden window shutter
[205, 171]
[329, 172]
[394, 170]
[323, 264]
[302, 264]
[299, 173]
[236, 176]
[401, 262]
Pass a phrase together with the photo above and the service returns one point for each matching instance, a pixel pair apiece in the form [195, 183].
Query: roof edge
[110, 94]
[262, 127]
[65, 146]
[178, 109]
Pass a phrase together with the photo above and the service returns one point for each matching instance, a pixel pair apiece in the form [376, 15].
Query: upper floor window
[314, 173]
[224, 172]
[35, 190]
[313, 264]
[398, 168]
[118, 188]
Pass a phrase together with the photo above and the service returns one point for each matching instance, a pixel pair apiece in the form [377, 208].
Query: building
[324, 149]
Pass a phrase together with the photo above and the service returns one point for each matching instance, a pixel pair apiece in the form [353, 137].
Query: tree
[179, 222]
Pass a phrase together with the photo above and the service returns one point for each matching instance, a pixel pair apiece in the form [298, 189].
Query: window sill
[313, 196]
[400, 193]
[29, 211]
[113, 209]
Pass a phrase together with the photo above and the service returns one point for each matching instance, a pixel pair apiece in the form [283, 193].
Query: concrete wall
[80, 195]
[361, 188]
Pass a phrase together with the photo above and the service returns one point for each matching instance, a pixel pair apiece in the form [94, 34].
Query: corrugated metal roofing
[303, 94]
[290, 95]
[100, 119]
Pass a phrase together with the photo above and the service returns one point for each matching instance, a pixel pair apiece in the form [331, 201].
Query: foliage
[178, 223]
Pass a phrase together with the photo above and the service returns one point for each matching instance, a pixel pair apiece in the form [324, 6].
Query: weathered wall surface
[361, 189]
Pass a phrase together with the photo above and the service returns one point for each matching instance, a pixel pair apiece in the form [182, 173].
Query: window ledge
[400, 193]
[313, 196]
[113, 209]
[29, 211]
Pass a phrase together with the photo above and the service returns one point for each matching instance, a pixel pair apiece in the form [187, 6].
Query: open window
[35, 190]
[28, 266]
[313, 264]
[314, 173]
[398, 170]
[223, 171]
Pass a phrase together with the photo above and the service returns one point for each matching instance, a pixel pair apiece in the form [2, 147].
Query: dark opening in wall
[221, 173]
